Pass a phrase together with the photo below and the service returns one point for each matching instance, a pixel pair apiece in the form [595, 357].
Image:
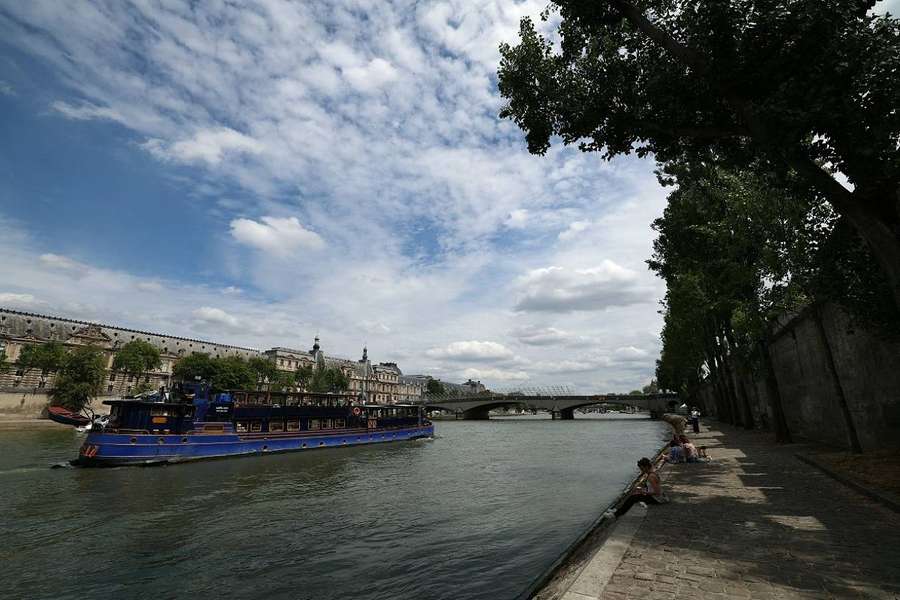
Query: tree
[232, 373]
[434, 387]
[193, 367]
[80, 378]
[328, 379]
[136, 358]
[46, 358]
[807, 88]
[304, 376]
[650, 388]
[635, 393]
[263, 368]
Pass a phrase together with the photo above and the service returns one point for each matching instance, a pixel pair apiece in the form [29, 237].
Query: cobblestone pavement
[758, 523]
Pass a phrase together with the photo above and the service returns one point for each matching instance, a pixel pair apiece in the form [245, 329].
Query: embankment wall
[866, 368]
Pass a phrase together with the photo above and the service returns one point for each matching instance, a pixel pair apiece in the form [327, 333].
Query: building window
[20, 373]
[112, 376]
[109, 388]
[147, 379]
[42, 383]
[130, 380]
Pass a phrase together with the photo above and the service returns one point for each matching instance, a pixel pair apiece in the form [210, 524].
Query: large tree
[80, 379]
[46, 358]
[806, 86]
[136, 358]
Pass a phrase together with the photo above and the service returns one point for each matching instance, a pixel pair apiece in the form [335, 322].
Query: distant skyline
[255, 176]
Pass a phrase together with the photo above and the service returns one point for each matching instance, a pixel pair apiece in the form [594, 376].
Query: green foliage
[263, 368]
[434, 387]
[4, 366]
[635, 393]
[136, 358]
[329, 379]
[232, 372]
[650, 388]
[787, 88]
[193, 367]
[46, 358]
[304, 375]
[80, 378]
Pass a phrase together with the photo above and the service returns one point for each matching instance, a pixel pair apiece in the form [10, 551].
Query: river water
[479, 511]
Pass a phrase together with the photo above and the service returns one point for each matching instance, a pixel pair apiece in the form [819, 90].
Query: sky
[258, 175]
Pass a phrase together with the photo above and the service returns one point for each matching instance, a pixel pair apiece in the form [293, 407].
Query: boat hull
[120, 449]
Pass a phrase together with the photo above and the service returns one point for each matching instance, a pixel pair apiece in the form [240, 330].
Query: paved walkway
[758, 523]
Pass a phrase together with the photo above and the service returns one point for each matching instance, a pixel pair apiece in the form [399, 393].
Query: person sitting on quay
[648, 492]
[690, 451]
[676, 450]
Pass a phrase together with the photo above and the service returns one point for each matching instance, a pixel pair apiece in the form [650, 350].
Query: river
[477, 512]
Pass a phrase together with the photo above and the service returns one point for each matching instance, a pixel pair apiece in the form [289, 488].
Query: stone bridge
[561, 407]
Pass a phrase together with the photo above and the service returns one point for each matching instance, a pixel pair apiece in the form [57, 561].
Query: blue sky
[258, 175]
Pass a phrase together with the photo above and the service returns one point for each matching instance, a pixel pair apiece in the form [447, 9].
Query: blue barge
[187, 424]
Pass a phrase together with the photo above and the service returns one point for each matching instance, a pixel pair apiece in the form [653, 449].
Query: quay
[755, 522]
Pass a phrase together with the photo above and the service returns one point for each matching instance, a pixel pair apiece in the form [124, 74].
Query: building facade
[382, 382]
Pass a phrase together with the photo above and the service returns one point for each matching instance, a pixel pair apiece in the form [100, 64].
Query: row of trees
[235, 372]
[80, 372]
[776, 123]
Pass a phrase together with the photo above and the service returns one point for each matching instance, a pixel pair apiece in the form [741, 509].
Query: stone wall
[867, 368]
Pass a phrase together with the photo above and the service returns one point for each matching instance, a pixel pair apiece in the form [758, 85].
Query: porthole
[303, 445]
[321, 443]
[265, 448]
[161, 441]
[184, 440]
[134, 440]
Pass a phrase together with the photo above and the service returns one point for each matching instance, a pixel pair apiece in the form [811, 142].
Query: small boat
[67, 417]
[190, 423]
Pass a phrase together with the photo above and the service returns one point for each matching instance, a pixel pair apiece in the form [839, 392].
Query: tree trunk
[852, 437]
[782, 431]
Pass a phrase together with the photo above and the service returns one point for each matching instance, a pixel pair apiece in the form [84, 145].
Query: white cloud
[150, 286]
[6, 89]
[562, 290]
[210, 316]
[64, 263]
[472, 351]
[628, 354]
[494, 374]
[549, 336]
[87, 111]
[573, 230]
[209, 145]
[10, 299]
[375, 130]
[374, 327]
[276, 236]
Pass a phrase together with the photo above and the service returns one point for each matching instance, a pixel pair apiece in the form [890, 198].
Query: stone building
[19, 329]
[382, 382]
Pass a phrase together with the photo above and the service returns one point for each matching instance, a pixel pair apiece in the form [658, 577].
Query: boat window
[159, 411]
[293, 425]
[339, 423]
[315, 424]
[276, 426]
[241, 427]
[256, 426]
[219, 427]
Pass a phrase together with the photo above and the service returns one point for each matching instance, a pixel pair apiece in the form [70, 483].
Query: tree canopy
[434, 387]
[80, 378]
[136, 358]
[796, 87]
[46, 358]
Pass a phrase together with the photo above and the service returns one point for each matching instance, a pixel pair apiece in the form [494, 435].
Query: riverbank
[756, 522]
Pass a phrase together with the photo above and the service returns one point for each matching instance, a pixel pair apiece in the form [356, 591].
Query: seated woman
[689, 450]
[649, 492]
[676, 451]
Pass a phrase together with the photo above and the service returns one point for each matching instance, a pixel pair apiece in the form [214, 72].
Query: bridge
[560, 406]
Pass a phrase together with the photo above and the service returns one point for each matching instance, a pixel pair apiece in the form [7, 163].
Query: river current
[479, 511]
